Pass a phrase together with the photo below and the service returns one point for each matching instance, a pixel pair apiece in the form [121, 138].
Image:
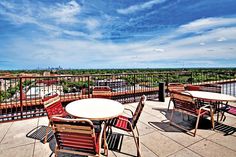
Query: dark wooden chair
[53, 106]
[129, 124]
[174, 88]
[101, 92]
[76, 136]
[186, 104]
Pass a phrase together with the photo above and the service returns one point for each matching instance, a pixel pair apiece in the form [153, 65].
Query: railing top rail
[88, 75]
[117, 74]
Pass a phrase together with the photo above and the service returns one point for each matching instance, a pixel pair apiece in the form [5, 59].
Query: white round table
[211, 96]
[95, 108]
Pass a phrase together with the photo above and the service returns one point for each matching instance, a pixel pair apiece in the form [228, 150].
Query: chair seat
[229, 109]
[232, 110]
[121, 122]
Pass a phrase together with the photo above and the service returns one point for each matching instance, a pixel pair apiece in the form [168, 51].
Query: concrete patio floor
[157, 137]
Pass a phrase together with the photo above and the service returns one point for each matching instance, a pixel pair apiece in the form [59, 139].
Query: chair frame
[77, 129]
[200, 110]
[133, 125]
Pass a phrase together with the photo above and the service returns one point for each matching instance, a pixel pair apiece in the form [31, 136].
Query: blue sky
[117, 33]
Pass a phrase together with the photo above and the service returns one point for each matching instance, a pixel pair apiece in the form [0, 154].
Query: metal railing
[20, 97]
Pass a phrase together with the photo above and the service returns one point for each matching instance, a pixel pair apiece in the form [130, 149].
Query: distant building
[5, 84]
[46, 73]
[41, 91]
[112, 83]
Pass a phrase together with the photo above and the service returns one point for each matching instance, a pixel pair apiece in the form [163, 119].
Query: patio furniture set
[81, 128]
[199, 101]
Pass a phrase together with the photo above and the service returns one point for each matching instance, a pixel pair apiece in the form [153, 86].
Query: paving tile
[160, 144]
[128, 149]
[181, 137]
[16, 136]
[185, 153]
[208, 148]
[42, 150]
[20, 151]
[228, 141]
[3, 129]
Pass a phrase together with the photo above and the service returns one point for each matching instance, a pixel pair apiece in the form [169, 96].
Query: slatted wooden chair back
[101, 92]
[52, 105]
[138, 110]
[176, 87]
[184, 102]
[193, 87]
[75, 136]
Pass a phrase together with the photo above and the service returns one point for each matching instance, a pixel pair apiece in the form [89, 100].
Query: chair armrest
[130, 111]
[206, 108]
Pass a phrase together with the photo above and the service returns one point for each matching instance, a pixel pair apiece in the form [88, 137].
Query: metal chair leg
[169, 105]
[172, 113]
[46, 135]
[198, 118]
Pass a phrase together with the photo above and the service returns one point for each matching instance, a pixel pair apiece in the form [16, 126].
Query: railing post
[167, 79]
[191, 77]
[88, 86]
[134, 88]
[21, 97]
[161, 93]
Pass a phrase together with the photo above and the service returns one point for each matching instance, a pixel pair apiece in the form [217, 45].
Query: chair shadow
[189, 124]
[39, 133]
[115, 141]
[226, 129]
[185, 121]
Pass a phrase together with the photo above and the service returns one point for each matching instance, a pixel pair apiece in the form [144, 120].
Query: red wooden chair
[193, 87]
[129, 123]
[226, 108]
[52, 105]
[101, 92]
[174, 88]
[185, 103]
[76, 136]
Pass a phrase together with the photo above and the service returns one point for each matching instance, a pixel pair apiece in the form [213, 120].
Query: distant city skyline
[117, 34]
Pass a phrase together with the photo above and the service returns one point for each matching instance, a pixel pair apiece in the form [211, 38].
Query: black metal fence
[20, 97]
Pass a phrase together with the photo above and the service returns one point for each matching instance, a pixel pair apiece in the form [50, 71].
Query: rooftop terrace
[158, 138]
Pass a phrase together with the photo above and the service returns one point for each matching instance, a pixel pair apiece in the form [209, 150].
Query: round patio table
[95, 108]
[211, 96]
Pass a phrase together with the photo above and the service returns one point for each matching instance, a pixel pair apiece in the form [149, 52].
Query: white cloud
[206, 24]
[202, 43]
[43, 17]
[63, 13]
[140, 7]
[221, 39]
[159, 50]
[92, 24]
[7, 4]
